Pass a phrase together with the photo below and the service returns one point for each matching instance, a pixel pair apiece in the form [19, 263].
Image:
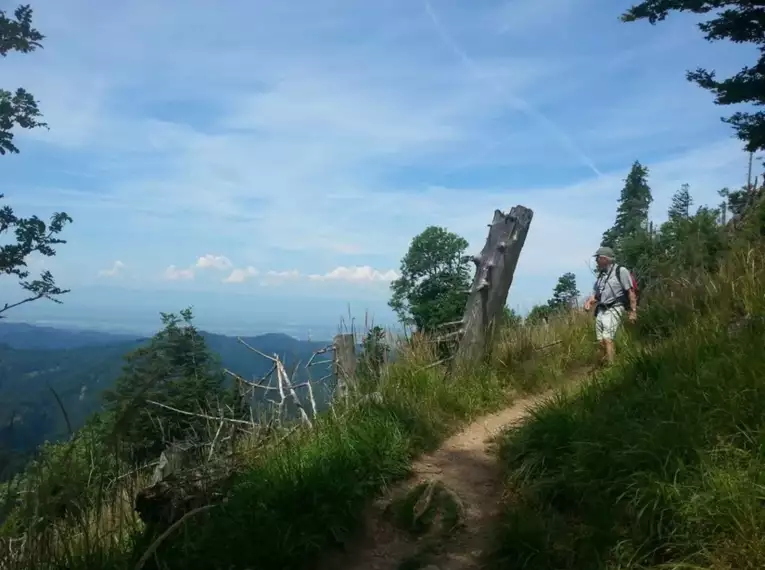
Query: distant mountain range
[36, 362]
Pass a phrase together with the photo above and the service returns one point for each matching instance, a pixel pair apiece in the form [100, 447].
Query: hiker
[614, 294]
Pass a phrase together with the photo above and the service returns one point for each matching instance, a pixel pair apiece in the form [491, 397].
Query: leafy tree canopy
[435, 277]
[739, 21]
[18, 108]
[32, 235]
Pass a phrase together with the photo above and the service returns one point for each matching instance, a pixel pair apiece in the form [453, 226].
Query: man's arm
[626, 282]
[633, 300]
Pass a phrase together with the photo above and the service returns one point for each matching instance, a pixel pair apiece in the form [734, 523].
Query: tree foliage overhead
[32, 235]
[739, 21]
[18, 108]
[434, 282]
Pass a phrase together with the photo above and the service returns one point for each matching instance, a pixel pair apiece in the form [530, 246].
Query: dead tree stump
[495, 267]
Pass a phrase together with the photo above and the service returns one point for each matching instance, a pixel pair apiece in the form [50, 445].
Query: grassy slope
[659, 464]
[308, 493]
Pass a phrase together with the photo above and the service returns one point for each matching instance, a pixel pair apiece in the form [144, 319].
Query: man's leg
[609, 350]
[601, 334]
[612, 318]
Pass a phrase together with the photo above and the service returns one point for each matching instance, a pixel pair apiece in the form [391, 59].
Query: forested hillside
[48, 391]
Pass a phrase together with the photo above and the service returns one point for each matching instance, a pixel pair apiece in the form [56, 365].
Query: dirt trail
[465, 466]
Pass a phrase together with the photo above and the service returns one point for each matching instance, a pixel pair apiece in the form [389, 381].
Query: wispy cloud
[356, 274]
[325, 135]
[115, 270]
[241, 275]
[173, 273]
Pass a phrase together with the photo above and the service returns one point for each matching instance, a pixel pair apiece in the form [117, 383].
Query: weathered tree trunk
[495, 267]
[344, 364]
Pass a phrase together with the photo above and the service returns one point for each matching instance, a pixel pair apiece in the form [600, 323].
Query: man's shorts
[607, 322]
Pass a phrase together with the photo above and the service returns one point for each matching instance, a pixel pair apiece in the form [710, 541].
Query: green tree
[510, 317]
[681, 204]
[735, 201]
[32, 235]
[174, 369]
[632, 211]
[565, 293]
[538, 314]
[434, 282]
[739, 21]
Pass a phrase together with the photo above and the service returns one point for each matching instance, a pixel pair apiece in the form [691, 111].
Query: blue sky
[270, 162]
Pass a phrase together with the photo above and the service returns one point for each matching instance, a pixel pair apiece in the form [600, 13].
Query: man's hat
[604, 252]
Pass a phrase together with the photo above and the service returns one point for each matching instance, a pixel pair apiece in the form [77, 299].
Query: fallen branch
[161, 538]
[256, 351]
[286, 379]
[203, 416]
[434, 364]
[557, 342]
[251, 384]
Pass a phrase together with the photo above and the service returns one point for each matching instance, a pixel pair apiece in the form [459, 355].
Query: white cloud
[173, 273]
[356, 274]
[241, 275]
[115, 270]
[210, 261]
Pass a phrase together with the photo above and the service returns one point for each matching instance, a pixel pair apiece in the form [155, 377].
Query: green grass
[659, 462]
[307, 494]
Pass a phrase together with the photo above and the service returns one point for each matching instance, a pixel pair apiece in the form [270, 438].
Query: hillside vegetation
[656, 463]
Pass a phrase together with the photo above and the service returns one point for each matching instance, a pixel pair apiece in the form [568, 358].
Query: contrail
[518, 102]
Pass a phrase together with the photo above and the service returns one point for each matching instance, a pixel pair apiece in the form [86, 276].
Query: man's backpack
[634, 286]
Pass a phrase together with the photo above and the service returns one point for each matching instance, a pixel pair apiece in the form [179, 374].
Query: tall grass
[295, 499]
[659, 462]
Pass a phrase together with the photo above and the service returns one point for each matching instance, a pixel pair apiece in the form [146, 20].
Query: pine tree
[632, 212]
[681, 204]
[565, 293]
[175, 369]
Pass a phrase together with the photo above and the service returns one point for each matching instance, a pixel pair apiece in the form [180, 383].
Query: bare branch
[204, 416]
[161, 538]
[248, 383]
[256, 351]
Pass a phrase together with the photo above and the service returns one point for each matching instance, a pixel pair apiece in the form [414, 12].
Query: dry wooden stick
[311, 399]
[204, 416]
[215, 440]
[316, 353]
[256, 351]
[161, 538]
[285, 378]
[434, 364]
[248, 383]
